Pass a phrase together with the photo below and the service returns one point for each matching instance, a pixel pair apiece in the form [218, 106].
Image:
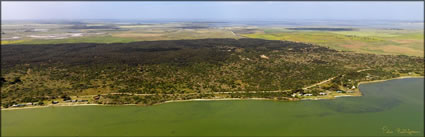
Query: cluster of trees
[178, 67]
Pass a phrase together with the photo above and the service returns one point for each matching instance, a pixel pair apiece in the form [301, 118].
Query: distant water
[394, 105]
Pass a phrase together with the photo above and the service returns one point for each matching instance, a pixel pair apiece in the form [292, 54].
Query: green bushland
[182, 69]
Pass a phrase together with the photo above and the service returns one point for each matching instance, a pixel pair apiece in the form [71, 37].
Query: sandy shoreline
[170, 101]
[55, 105]
[402, 77]
[213, 99]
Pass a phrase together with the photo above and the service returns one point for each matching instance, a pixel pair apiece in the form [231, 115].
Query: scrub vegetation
[151, 72]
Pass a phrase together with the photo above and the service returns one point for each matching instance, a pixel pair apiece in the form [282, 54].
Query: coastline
[170, 101]
[50, 105]
[402, 77]
[212, 99]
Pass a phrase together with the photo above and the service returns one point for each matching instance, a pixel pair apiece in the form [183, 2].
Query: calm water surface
[387, 105]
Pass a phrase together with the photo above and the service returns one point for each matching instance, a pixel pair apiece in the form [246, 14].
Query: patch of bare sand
[401, 50]
[408, 41]
[353, 46]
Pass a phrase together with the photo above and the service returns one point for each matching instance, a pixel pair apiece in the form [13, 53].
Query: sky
[259, 10]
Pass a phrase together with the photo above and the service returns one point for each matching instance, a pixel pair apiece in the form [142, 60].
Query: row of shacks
[26, 104]
[341, 91]
[53, 102]
[75, 101]
[321, 93]
[69, 101]
[308, 94]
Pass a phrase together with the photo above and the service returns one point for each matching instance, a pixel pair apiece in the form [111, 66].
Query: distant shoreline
[213, 99]
[402, 77]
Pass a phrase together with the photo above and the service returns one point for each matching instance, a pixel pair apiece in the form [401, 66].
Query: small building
[18, 105]
[55, 102]
[353, 87]
[340, 91]
[29, 103]
[308, 94]
[264, 56]
[294, 95]
[322, 93]
[96, 97]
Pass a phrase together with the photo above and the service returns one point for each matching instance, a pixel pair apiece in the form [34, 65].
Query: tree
[16, 80]
[65, 97]
[2, 80]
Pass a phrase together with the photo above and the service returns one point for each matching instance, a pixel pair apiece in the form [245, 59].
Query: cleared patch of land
[395, 42]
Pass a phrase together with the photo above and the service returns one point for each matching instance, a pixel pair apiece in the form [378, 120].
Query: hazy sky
[214, 10]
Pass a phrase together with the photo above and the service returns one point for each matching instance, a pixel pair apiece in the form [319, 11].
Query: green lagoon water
[392, 104]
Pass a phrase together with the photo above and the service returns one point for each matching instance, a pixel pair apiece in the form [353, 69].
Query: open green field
[91, 39]
[405, 42]
[385, 107]
[56, 34]
[125, 37]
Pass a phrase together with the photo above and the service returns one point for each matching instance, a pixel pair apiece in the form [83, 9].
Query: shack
[308, 94]
[339, 91]
[18, 105]
[96, 97]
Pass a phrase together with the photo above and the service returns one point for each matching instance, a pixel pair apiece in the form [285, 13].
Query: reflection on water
[377, 97]
[362, 104]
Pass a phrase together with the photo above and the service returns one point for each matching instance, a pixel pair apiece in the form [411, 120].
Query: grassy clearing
[91, 39]
[132, 36]
[405, 42]
[4, 42]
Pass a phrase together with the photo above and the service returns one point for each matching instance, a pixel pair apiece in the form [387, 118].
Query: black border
[219, 0]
